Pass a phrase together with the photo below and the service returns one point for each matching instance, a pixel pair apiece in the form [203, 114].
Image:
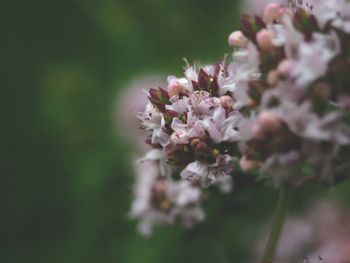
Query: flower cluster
[161, 200]
[280, 108]
[301, 100]
[196, 119]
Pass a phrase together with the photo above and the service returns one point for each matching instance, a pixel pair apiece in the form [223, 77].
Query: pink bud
[256, 130]
[271, 13]
[198, 145]
[226, 101]
[273, 77]
[264, 38]
[285, 67]
[284, 12]
[159, 187]
[174, 88]
[248, 165]
[237, 39]
[268, 122]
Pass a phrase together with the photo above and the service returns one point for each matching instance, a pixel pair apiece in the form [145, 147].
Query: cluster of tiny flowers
[300, 130]
[280, 108]
[161, 200]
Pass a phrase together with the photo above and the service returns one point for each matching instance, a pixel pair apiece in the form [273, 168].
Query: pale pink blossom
[152, 120]
[223, 128]
[237, 39]
[162, 201]
[313, 57]
[206, 174]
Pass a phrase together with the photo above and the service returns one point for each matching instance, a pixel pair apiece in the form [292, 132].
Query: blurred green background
[66, 173]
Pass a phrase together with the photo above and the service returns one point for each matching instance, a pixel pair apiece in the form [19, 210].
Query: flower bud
[159, 188]
[285, 67]
[256, 130]
[268, 122]
[271, 13]
[264, 38]
[272, 77]
[226, 101]
[248, 165]
[174, 88]
[237, 39]
[198, 145]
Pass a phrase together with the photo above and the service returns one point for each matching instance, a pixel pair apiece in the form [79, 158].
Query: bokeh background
[66, 173]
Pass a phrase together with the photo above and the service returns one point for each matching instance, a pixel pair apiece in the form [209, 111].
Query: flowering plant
[279, 110]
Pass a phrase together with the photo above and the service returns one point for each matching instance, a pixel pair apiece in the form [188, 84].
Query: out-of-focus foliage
[66, 175]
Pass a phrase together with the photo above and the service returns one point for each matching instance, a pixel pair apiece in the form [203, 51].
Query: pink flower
[222, 128]
[159, 200]
[184, 132]
[206, 174]
[152, 120]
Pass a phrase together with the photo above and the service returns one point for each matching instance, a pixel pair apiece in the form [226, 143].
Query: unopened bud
[285, 67]
[264, 39]
[256, 130]
[174, 88]
[268, 122]
[226, 101]
[237, 39]
[159, 188]
[198, 145]
[271, 13]
[273, 77]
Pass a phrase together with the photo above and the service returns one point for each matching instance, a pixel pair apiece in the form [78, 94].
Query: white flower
[195, 171]
[183, 193]
[207, 175]
[180, 200]
[153, 121]
[202, 104]
[191, 72]
[328, 128]
[314, 57]
[336, 11]
[287, 36]
[222, 128]
[244, 67]
[178, 105]
[184, 132]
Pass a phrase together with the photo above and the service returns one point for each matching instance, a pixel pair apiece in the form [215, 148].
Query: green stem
[277, 226]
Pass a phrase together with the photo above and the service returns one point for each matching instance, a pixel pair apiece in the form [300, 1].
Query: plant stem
[277, 226]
